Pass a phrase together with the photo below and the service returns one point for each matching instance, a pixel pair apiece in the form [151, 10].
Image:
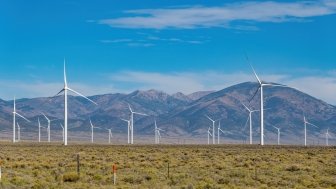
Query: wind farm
[168, 94]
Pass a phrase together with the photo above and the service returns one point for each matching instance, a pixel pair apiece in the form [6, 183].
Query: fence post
[78, 170]
[0, 169]
[256, 174]
[168, 170]
[114, 168]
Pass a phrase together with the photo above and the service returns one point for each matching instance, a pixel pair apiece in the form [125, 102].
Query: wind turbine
[65, 90]
[110, 135]
[132, 121]
[219, 130]
[92, 127]
[327, 137]
[278, 129]
[213, 128]
[157, 134]
[14, 122]
[62, 131]
[128, 129]
[19, 132]
[305, 128]
[48, 128]
[250, 120]
[262, 84]
[209, 134]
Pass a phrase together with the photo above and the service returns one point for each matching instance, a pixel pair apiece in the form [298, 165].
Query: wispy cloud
[150, 40]
[222, 16]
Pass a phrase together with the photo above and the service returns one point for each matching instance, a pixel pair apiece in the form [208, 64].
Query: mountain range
[181, 115]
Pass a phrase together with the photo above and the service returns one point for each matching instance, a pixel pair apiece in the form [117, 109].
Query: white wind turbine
[305, 129]
[92, 127]
[14, 122]
[213, 128]
[62, 131]
[132, 121]
[110, 135]
[218, 132]
[157, 134]
[262, 84]
[250, 121]
[327, 135]
[278, 129]
[48, 128]
[209, 134]
[65, 90]
[128, 129]
[19, 132]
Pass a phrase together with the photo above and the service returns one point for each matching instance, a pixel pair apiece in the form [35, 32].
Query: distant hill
[183, 115]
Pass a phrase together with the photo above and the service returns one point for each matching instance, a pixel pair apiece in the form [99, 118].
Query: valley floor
[28, 165]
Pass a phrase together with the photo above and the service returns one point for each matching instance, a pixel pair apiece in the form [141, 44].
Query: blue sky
[169, 45]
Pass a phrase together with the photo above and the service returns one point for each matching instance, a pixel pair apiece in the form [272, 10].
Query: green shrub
[70, 177]
[293, 168]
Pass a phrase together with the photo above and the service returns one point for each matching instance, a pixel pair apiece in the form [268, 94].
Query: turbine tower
[62, 131]
[305, 129]
[278, 129]
[132, 121]
[65, 91]
[39, 129]
[262, 84]
[250, 121]
[128, 129]
[209, 134]
[92, 127]
[14, 122]
[218, 132]
[19, 132]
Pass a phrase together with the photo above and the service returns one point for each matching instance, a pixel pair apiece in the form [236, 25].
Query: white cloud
[151, 40]
[222, 16]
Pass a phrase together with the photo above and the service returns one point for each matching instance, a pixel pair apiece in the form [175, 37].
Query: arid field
[29, 165]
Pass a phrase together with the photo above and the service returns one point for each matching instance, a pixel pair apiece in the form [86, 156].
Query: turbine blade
[82, 96]
[255, 93]
[45, 117]
[129, 107]
[274, 85]
[312, 124]
[61, 91]
[140, 113]
[209, 118]
[221, 130]
[246, 107]
[22, 117]
[91, 123]
[65, 78]
[247, 120]
[254, 72]
[125, 120]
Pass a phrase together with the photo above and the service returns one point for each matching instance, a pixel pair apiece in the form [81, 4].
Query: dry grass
[224, 166]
